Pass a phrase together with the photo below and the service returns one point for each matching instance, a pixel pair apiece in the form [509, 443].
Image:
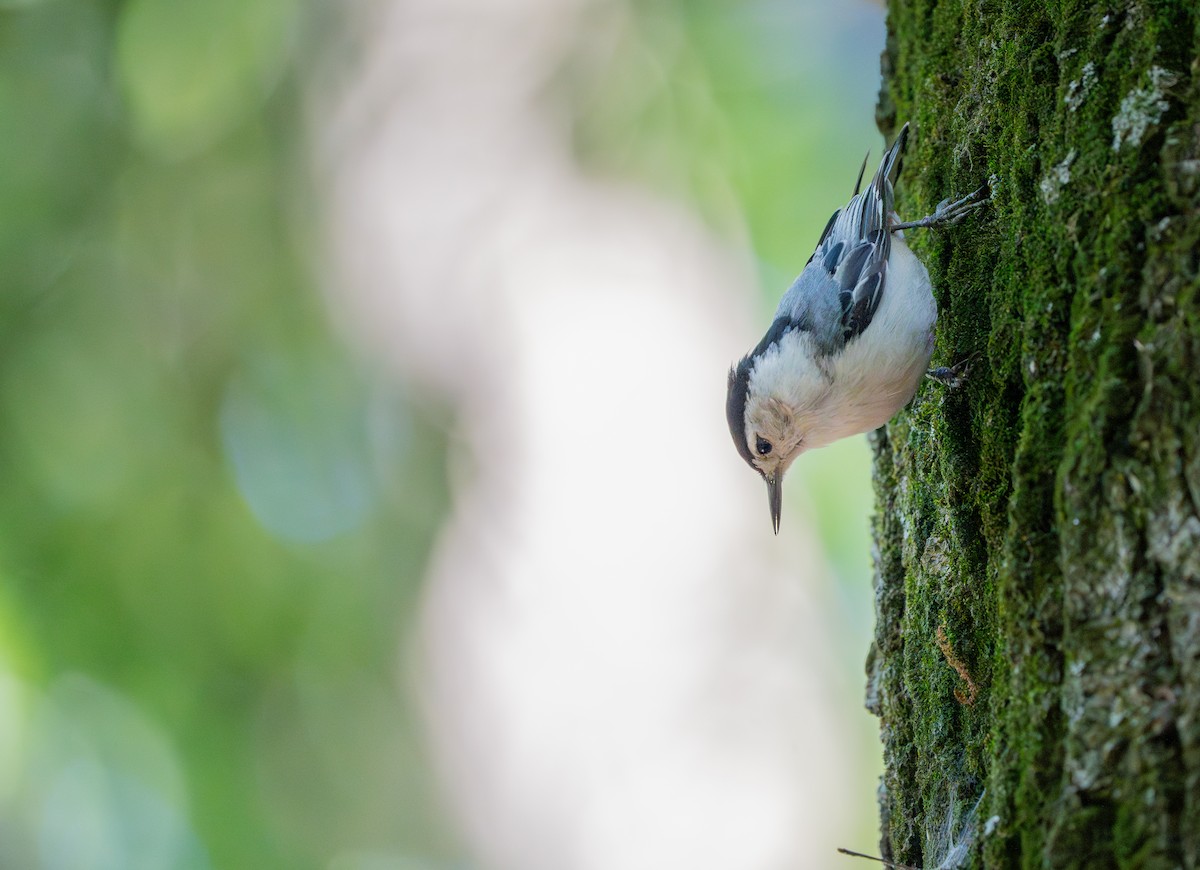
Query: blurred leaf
[295, 433]
[58, 138]
[190, 71]
[110, 793]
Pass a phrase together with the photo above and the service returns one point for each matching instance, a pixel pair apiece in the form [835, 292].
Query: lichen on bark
[1041, 525]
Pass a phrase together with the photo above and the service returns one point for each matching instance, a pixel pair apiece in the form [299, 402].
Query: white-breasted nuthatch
[850, 340]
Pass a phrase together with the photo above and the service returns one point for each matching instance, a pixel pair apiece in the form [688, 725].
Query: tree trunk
[1038, 538]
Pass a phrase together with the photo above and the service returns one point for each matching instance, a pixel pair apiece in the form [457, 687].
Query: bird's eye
[762, 445]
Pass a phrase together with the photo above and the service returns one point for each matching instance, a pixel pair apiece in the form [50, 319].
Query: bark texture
[1038, 530]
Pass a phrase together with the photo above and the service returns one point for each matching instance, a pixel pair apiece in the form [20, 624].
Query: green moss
[1041, 516]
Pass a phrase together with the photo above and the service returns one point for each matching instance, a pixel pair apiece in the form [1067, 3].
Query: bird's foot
[953, 376]
[948, 213]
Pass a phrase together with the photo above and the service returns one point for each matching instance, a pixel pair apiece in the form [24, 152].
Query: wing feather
[837, 293]
[855, 245]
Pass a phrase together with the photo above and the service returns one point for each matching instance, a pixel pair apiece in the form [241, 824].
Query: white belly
[878, 372]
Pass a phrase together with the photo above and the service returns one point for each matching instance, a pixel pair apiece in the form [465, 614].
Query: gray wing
[838, 292]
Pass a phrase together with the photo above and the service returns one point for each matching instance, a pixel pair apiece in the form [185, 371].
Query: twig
[892, 864]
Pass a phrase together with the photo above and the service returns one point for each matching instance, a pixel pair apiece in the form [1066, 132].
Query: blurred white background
[620, 665]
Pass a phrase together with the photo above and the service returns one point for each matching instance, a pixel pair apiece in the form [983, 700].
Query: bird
[851, 339]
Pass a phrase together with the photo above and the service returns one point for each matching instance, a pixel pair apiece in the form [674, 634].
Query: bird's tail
[889, 168]
[867, 215]
[877, 202]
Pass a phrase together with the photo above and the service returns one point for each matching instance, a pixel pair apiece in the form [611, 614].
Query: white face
[775, 434]
[787, 391]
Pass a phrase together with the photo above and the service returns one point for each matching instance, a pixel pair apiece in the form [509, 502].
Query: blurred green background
[215, 513]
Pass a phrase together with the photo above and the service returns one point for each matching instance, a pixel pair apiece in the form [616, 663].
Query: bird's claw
[953, 376]
[949, 212]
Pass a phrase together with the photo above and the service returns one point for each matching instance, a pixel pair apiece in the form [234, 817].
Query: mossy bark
[1038, 530]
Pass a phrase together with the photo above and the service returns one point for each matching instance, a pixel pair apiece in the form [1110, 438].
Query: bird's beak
[775, 497]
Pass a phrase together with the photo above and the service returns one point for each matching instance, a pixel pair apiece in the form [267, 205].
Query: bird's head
[771, 408]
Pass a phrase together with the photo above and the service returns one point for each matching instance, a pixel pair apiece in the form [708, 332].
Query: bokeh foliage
[214, 516]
